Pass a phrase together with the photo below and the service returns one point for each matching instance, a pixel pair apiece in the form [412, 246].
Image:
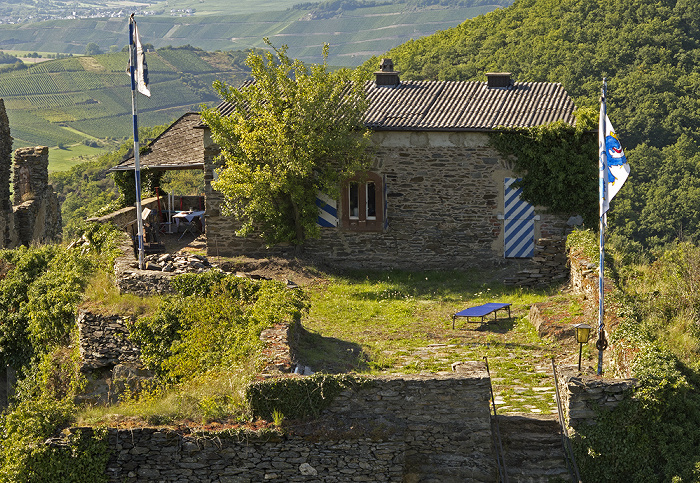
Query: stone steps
[532, 448]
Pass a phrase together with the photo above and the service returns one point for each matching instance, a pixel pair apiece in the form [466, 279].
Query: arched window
[363, 203]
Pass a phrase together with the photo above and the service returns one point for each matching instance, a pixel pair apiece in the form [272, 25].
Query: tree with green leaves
[296, 130]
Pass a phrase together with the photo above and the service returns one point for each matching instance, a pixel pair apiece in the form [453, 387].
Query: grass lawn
[391, 322]
[69, 156]
[401, 322]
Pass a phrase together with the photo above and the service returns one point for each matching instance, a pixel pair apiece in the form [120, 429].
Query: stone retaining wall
[402, 428]
[583, 396]
[548, 265]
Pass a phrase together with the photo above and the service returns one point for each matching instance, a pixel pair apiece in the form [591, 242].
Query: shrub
[25, 452]
[214, 322]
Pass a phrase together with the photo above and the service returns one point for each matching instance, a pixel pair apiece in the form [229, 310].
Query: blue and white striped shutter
[519, 223]
[327, 211]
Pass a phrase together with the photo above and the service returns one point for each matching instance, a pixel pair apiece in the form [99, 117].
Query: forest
[649, 54]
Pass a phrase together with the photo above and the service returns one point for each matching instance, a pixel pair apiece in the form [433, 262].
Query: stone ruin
[34, 213]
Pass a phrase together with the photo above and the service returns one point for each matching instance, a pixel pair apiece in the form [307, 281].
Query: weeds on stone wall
[298, 397]
[32, 449]
[39, 294]
[214, 321]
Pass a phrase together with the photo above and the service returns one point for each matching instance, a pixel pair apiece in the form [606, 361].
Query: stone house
[438, 194]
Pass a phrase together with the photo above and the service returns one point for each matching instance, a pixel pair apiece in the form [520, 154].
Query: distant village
[55, 13]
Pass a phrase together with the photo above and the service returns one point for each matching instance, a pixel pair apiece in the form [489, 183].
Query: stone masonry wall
[37, 211]
[548, 265]
[583, 396]
[401, 429]
[444, 197]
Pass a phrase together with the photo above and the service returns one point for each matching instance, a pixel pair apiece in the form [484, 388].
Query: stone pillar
[6, 219]
[37, 212]
[31, 173]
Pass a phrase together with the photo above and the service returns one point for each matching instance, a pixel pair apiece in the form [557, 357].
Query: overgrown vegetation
[39, 294]
[653, 435]
[295, 131]
[298, 398]
[557, 163]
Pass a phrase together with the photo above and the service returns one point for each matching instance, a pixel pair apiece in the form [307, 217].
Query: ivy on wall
[558, 165]
[298, 397]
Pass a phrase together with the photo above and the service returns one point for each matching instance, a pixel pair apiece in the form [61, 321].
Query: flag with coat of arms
[612, 160]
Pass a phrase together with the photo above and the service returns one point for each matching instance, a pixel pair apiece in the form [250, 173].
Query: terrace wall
[402, 428]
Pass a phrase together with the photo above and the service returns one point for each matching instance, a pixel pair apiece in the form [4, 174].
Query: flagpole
[137, 167]
[601, 343]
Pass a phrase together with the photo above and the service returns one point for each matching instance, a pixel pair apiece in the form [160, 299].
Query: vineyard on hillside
[68, 100]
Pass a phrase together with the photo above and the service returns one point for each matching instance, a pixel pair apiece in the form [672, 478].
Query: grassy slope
[395, 321]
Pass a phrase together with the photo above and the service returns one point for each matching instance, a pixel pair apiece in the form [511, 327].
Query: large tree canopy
[296, 130]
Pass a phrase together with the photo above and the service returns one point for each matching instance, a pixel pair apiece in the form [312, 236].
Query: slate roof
[409, 106]
[180, 146]
[465, 106]
[461, 106]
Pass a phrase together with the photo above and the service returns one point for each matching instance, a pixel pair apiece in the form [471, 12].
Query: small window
[354, 200]
[371, 197]
[363, 203]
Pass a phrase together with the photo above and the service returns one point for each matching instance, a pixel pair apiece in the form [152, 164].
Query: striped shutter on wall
[519, 223]
[327, 211]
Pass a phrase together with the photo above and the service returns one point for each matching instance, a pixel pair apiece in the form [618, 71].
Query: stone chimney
[499, 80]
[386, 76]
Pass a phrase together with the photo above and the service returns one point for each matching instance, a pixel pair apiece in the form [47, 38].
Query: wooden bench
[481, 311]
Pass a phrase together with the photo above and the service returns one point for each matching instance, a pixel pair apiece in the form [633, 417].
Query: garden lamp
[583, 333]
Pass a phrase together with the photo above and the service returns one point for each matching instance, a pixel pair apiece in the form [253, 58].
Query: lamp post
[583, 333]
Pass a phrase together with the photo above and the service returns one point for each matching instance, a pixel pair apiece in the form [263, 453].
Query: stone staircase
[532, 447]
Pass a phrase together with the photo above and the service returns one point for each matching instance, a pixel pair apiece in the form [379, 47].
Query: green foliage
[663, 303]
[585, 241]
[558, 165]
[26, 453]
[647, 50]
[661, 201]
[295, 131]
[40, 293]
[213, 323]
[298, 397]
[655, 434]
[87, 190]
[183, 182]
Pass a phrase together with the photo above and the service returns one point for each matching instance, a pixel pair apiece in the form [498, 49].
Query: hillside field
[69, 100]
[354, 34]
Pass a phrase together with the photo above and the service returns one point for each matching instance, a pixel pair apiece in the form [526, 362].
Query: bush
[213, 323]
[25, 454]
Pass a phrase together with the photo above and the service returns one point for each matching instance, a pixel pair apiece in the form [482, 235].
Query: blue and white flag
[141, 71]
[612, 160]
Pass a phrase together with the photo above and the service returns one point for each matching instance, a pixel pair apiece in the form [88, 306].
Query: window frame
[363, 221]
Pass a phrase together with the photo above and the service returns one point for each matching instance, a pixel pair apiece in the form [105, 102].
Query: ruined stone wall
[444, 195]
[8, 237]
[36, 209]
[548, 265]
[402, 428]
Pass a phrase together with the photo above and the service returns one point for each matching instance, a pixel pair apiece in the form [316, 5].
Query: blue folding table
[481, 311]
